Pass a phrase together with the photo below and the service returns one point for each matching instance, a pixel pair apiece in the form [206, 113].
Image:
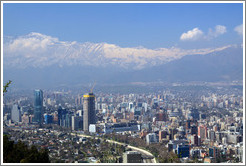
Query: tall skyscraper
[15, 113]
[89, 116]
[38, 106]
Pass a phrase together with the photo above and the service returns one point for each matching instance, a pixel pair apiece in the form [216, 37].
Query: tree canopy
[20, 153]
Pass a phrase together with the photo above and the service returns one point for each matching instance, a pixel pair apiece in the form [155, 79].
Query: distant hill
[226, 65]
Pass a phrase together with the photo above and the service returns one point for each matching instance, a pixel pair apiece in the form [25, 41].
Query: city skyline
[184, 124]
[169, 78]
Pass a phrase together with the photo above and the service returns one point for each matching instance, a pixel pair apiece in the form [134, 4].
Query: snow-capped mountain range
[36, 61]
[39, 50]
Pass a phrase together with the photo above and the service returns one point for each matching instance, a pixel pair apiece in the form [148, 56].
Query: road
[142, 151]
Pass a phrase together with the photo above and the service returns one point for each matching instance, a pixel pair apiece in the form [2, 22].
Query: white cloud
[219, 30]
[193, 35]
[239, 29]
[196, 34]
[40, 50]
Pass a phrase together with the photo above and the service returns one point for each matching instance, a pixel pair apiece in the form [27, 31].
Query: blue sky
[128, 25]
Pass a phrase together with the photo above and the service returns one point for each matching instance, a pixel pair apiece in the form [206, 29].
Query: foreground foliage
[21, 153]
[6, 86]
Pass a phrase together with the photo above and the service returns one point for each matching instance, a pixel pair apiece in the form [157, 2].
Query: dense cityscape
[118, 82]
[180, 123]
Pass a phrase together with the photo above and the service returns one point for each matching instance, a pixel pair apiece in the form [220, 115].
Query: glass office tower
[38, 106]
[89, 116]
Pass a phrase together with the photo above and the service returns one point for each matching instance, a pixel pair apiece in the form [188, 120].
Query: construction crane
[92, 87]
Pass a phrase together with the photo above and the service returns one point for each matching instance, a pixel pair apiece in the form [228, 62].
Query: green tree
[21, 153]
[6, 86]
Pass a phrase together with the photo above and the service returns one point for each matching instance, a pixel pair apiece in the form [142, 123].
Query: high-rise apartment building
[202, 132]
[89, 116]
[162, 135]
[77, 122]
[38, 106]
[151, 138]
[211, 135]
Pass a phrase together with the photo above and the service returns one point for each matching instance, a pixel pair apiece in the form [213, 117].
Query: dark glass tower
[89, 116]
[38, 106]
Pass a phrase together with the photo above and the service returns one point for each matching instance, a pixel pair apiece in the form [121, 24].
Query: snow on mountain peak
[39, 50]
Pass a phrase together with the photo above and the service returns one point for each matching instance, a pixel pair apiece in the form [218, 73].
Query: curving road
[142, 151]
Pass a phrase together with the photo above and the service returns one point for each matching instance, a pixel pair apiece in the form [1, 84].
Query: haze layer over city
[123, 83]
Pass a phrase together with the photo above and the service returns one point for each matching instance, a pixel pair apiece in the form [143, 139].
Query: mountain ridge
[39, 50]
[225, 65]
